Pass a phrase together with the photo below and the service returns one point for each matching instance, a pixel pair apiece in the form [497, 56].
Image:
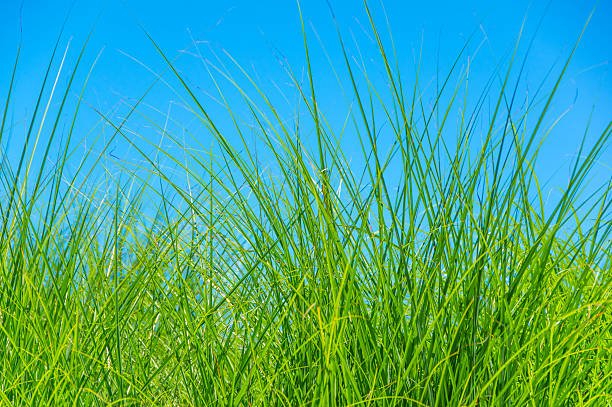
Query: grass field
[430, 271]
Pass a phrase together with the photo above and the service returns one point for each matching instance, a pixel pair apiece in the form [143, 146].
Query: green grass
[431, 271]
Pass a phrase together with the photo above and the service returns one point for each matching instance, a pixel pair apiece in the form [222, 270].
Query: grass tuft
[426, 269]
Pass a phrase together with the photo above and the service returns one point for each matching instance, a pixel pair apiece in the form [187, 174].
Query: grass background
[265, 249]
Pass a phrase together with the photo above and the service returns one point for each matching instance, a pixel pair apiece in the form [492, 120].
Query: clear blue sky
[254, 31]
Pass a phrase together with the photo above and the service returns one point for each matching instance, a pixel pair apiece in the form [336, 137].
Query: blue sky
[256, 32]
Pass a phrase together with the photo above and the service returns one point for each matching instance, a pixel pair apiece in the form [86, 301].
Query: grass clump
[430, 271]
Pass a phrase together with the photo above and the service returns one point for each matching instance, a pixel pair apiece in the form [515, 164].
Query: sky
[259, 33]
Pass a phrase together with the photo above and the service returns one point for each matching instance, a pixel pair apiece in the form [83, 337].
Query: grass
[431, 271]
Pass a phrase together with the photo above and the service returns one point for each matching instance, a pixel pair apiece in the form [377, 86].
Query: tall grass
[428, 272]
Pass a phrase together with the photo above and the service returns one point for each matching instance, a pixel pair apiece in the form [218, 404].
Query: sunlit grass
[430, 271]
